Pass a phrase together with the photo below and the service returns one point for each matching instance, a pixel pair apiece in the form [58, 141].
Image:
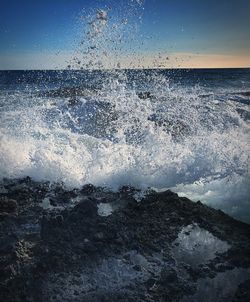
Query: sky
[135, 33]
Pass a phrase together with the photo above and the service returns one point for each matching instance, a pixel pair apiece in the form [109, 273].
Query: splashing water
[107, 36]
[185, 130]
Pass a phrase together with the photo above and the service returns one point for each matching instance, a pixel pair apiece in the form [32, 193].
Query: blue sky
[214, 29]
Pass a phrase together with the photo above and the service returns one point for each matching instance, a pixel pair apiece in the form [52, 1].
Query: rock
[99, 236]
[126, 256]
[150, 283]
[3, 190]
[243, 292]
[7, 205]
[127, 190]
[168, 275]
[87, 189]
[87, 207]
[59, 219]
[139, 261]
[87, 247]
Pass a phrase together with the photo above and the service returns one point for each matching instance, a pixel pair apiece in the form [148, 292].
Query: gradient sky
[191, 33]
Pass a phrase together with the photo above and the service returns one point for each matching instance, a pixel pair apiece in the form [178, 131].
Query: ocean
[185, 130]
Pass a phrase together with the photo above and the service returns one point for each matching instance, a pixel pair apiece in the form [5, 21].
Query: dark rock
[243, 292]
[168, 275]
[59, 219]
[127, 190]
[87, 207]
[7, 205]
[87, 189]
[150, 283]
[99, 236]
[76, 255]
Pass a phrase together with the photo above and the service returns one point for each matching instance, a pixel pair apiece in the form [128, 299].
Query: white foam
[141, 154]
[196, 145]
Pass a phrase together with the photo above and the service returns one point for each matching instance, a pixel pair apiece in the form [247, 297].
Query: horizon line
[117, 69]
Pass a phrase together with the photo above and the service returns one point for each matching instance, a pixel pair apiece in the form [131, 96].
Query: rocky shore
[91, 244]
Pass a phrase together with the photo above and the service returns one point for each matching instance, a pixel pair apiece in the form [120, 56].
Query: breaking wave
[145, 128]
[115, 135]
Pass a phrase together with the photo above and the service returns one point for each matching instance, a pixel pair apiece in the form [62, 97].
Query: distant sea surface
[187, 130]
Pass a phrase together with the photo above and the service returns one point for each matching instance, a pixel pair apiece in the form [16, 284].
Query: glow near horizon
[193, 35]
[51, 61]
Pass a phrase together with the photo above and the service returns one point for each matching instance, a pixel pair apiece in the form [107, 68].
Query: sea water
[187, 130]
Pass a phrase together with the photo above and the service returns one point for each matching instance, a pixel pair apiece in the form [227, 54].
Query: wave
[168, 138]
[184, 130]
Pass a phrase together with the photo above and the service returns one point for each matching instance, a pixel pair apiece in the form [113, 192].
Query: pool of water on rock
[195, 245]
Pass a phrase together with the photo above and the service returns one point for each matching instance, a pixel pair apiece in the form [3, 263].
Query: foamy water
[176, 138]
[188, 132]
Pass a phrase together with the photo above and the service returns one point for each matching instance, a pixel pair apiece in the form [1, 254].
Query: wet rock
[87, 189]
[3, 190]
[127, 190]
[150, 283]
[99, 236]
[59, 220]
[139, 260]
[243, 292]
[87, 207]
[7, 205]
[168, 275]
[72, 253]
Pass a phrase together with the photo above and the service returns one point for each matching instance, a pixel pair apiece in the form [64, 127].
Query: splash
[115, 136]
[140, 128]
[107, 36]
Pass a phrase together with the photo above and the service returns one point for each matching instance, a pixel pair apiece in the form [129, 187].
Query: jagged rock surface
[55, 246]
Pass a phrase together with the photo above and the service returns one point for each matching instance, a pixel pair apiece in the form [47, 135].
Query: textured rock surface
[54, 246]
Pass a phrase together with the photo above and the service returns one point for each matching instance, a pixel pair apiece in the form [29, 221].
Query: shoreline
[93, 244]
